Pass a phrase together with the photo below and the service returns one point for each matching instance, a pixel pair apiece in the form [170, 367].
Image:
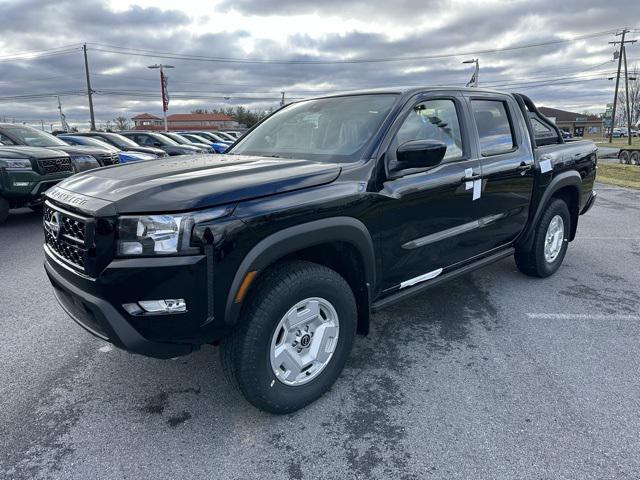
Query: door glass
[432, 120]
[494, 127]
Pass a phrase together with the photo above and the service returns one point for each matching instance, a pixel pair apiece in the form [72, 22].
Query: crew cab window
[432, 120]
[494, 127]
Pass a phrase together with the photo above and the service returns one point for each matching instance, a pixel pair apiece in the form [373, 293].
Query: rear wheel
[623, 157]
[4, 210]
[634, 158]
[549, 244]
[294, 337]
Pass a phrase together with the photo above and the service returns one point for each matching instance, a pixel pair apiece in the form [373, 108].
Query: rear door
[506, 158]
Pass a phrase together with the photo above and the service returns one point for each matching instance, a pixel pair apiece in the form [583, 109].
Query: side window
[143, 140]
[432, 120]
[494, 127]
[543, 133]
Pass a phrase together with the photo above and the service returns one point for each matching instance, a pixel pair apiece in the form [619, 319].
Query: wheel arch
[567, 186]
[341, 243]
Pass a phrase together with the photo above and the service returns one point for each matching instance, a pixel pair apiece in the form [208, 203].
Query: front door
[427, 217]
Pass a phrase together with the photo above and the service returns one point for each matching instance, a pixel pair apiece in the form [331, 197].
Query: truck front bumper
[97, 304]
[27, 185]
[590, 202]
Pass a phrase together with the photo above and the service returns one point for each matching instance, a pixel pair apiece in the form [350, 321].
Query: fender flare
[289, 240]
[569, 178]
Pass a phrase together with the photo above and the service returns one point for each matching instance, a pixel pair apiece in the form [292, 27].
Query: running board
[421, 287]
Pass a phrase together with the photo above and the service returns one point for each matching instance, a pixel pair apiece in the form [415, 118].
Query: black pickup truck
[327, 210]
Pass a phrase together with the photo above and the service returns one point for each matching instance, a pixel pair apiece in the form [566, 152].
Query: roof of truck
[410, 90]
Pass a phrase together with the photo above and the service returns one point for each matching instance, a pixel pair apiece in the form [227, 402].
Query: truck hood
[19, 151]
[193, 182]
[81, 150]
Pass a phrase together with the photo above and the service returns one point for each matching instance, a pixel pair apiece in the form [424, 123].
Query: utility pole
[282, 99]
[89, 91]
[164, 91]
[626, 92]
[621, 52]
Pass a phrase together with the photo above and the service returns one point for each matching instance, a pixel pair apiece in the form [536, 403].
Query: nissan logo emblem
[54, 225]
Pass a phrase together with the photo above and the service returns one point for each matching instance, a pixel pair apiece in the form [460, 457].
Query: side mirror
[420, 154]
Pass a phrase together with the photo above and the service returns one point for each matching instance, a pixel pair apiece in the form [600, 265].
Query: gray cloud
[31, 24]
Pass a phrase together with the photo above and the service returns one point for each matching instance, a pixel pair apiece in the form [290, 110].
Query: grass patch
[621, 175]
[617, 142]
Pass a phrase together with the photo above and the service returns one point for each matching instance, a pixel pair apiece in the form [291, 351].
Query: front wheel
[294, 337]
[549, 244]
[634, 158]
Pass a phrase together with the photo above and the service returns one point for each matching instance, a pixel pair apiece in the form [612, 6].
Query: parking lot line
[580, 316]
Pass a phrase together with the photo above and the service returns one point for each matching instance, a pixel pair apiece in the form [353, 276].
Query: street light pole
[474, 78]
[163, 91]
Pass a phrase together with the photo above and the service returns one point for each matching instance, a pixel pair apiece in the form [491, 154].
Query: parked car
[214, 136]
[226, 136]
[327, 210]
[234, 133]
[123, 156]
[619, 132]
[156, 140]
[566, 135]
[123, 143]
[180, 140]
[218, 147]
[26, 172]
[83, 157]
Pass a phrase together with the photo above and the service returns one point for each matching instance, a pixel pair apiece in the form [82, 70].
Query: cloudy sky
[245, 52]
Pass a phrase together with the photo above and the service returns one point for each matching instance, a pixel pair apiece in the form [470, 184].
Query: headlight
[15, 163]
[161, 234]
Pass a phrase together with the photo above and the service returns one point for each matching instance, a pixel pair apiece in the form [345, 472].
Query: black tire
[4, 210]
[623, 157]
[246, 353]
[532, 262]
[634, 158]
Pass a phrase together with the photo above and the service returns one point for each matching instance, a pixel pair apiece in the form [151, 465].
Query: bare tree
[634, 99]
[121, 123]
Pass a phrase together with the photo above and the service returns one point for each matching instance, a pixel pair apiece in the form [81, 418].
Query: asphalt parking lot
[495, 375]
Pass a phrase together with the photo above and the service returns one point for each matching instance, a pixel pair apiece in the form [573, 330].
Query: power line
[177, 56]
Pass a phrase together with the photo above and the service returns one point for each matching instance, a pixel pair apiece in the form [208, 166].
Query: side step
[421, 287]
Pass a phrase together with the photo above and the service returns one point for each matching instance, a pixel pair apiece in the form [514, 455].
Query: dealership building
[577, 124]
[186, 121]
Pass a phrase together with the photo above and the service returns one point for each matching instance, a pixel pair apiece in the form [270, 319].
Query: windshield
[326, 129]
[120, 140]
[34, 138]
[226, 136]
[94, 142]
[198, 138]
[162, 139]
[177, 138]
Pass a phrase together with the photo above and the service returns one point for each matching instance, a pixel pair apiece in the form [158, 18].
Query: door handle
[471, 178]
[524, 167]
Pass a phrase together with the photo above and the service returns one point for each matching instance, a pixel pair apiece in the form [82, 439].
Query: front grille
[55, 165]
[66, 235]
[107, 159]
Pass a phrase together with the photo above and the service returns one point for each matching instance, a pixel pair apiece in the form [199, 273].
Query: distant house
[577, 124]
[186, 121]
[146, 121]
